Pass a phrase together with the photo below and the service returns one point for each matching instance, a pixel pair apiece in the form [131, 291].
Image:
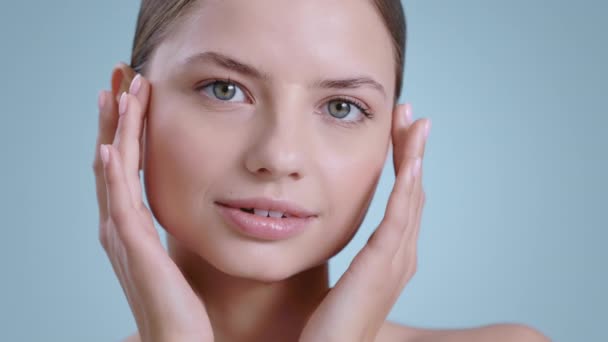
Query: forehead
[340, 37]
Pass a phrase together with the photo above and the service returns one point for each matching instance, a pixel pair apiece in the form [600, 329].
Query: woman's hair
[157, 16]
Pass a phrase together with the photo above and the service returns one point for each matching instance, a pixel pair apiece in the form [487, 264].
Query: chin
[260, 261]
[268, 275]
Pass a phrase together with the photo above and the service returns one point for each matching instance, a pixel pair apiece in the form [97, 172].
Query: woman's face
[283, 100]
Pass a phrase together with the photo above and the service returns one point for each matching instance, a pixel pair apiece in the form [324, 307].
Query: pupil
[224, 91]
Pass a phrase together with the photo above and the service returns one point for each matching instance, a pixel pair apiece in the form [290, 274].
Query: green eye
[339, 109]
[224, 91]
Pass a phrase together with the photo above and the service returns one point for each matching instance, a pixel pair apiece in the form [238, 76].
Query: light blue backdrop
[514, 227]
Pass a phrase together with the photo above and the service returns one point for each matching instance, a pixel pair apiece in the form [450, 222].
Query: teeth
[260, 212]
[276, 214]
[265, 213]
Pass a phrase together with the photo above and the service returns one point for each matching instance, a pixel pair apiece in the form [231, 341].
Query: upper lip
[282, 206]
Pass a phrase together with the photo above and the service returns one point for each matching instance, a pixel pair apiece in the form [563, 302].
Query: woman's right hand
[164, 305]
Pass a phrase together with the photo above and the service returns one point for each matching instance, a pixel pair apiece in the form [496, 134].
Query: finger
[419, 214]
[121, 210]
[405, 264]
[416, 141]
[413, 145]
[417, 188]
[387, 236]
[406, 254]
[401, 122]
[127, 140]
[408, 240]
[108, 119]
[143, 98]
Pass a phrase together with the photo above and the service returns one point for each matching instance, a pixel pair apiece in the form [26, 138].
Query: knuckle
[401, 221]
[97, 167]
[134, 101]
[120, 127]
[413, 264]
[389, 227]
[103, 238]
[140, 208]
[119, 215]
[396, 219]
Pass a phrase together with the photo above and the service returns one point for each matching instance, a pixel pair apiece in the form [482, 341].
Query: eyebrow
[226, 62]
[351, 83]
[249, 70]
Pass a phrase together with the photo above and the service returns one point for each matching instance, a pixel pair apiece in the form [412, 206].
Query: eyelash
[360, 106]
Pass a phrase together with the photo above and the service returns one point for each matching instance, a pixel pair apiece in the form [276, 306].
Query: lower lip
[264, 228]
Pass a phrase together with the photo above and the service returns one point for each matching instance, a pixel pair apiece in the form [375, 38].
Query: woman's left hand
[356, 308]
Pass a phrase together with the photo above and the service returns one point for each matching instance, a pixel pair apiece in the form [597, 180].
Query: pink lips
[294, 220]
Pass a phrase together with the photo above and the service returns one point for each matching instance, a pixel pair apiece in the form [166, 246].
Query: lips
[265, 219]
[268, 207]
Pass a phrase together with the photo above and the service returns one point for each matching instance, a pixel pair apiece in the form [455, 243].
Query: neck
[248, 310]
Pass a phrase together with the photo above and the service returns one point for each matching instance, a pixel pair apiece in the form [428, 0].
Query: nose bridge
[278, 149]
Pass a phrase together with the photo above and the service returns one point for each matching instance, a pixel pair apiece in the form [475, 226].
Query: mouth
[266, 207]
[266, 219]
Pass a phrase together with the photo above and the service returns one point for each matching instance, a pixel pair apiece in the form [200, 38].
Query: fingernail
[101, 100]
[408, 112]
[135, 85]
[122, 105]
[105, 154]
[427, 129]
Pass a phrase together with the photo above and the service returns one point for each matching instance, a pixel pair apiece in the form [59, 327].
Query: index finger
[409, 140]
[107, 122]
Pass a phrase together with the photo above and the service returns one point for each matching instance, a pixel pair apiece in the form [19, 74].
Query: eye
[347, 110]
[225, 91]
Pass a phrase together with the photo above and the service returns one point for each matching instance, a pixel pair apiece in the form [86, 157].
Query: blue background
[515, 224]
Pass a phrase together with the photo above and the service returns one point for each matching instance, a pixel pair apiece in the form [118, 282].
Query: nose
[277, 150]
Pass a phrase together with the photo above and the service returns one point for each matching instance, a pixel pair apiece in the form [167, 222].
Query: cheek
[350, 181]
[353, 183]
[352, 162]
[182, 162]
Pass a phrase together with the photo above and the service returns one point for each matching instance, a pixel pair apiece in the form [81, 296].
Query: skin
[277, 138]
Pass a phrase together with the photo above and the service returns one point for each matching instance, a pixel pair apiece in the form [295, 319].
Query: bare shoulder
[505, 332]
[393, 332]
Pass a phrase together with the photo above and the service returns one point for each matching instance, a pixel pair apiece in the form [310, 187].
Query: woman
[261, 128]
